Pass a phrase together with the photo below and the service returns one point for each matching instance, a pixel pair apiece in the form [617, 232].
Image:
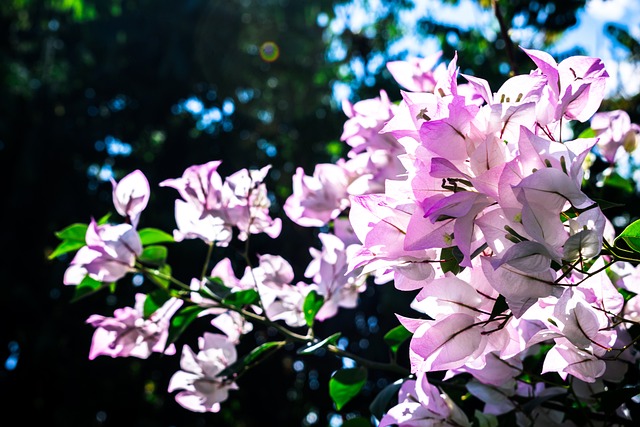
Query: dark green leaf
[357, 422]
[181, 320]
[310, 348]
[612, 399]
[485, 420]
[604, 204]
[449, 261]
[396, 336]
[312, 304]
[151, 236]
[626, 294]
[161, 279]
[345, 384]
[154, 255]
[257, 355]
[242, 298]
[215, 286]
[87, 287]
[614, 180]
[154, 301]
[631, 236]
[499, 307]
[381, 403]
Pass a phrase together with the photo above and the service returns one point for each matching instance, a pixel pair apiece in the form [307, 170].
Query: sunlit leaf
[312, 304]
[256, 355]
[626, 294]
[242, 298]
[154, 255]
[87, 287]
[73, 232]
[161, 278]
[587, 133]
[631, 235]
[103, 220]
[320, 344]
[396, 336]
[73, 238]
[345, 384]
[154, 301]
[66, 247]
[152, 236]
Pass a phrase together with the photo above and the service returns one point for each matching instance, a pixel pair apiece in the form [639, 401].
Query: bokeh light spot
[269, 51]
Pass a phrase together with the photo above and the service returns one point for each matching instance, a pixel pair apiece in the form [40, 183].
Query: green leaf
[615, 180]
[241, 298]
[181, 320]
[396, 336]
[605, 204]
[485, 420]
[312, 304]
[499, 307]
[612, 399]
[357, 422]
[626, 294]
[381, 403]
[215, 286]
[631, 236]
[75, 232]
[165, 270]
[255, 356]
[154, 301]
[587, 133]
[66, 247]
[154, 255]
[73, 238]
[104, 219]
[310, 348]
[449, 261]
[152, 236]
[87, 287]
[345, 384]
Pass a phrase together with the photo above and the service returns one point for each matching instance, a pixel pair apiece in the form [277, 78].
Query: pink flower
[319, 198]
[131, 195]
[109, 255]
[200, 387]
[614, 130]
[130, 334]
[246, 203]
[417, 74]
[328, 269]
[423, 404]
[211, 207]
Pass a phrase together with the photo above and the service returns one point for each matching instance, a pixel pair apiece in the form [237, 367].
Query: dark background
[92, 87]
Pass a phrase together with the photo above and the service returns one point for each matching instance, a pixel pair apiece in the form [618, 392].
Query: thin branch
[504, 30]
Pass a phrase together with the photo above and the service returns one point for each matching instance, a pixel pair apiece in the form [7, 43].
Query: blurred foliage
[97, 88]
